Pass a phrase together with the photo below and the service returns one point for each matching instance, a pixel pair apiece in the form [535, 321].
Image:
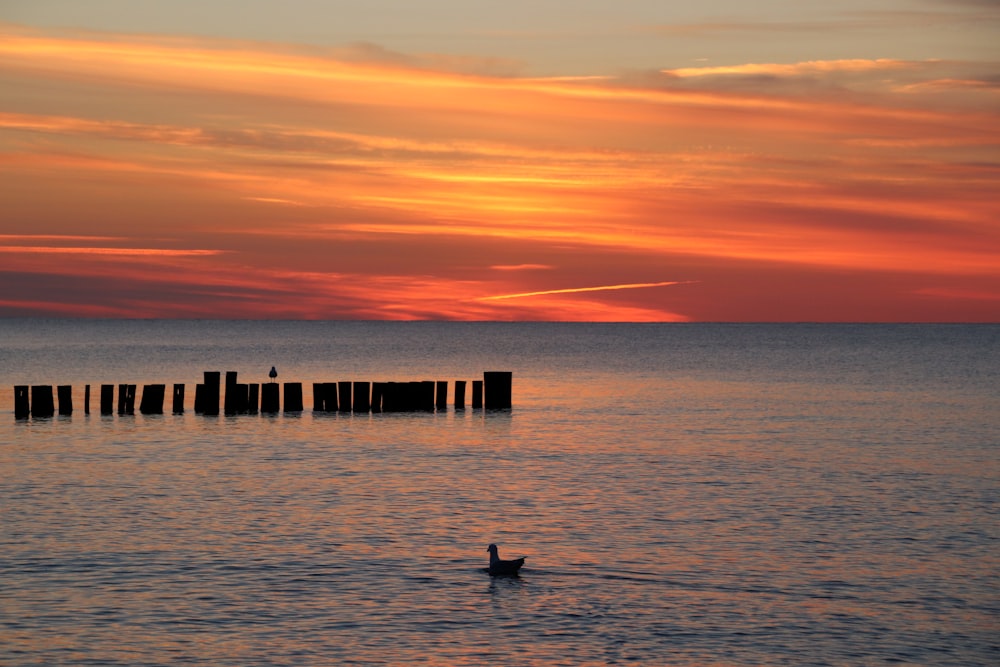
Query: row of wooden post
[493, 392]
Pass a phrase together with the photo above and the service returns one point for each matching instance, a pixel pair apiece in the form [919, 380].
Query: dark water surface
[685, 495]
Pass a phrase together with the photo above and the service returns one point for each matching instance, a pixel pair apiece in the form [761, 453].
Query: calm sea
[685, 494]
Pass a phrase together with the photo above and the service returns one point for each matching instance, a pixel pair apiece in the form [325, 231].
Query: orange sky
[169, 176]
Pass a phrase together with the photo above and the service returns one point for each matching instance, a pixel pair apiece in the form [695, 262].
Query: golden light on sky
[226, 171]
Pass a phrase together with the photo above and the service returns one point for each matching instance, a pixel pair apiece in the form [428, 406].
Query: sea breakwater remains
[493, 392]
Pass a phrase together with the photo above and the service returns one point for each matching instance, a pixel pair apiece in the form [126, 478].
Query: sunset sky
[635, 160]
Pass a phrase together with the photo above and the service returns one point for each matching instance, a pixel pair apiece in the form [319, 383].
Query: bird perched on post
[498, 566]
[273, 374]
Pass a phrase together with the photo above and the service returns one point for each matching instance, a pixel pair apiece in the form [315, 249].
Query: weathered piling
[331, 404]
[129, 399]
[477, 394]
[178, 398]
[378, 391]
[269, 399]
[441, 398]
[390, 396]
[497, 389]
[344, 396]
[152, 399]
[65, 393]
[86, 399]
[293, 397]
[426, 394]
[253, 398]
[22, 405]
[362, 397]
[122, 394]
[107, 399]
[242, 398]
[210, 398]
[231, 400]
[319, 397]
[459, 394]
[42, 404]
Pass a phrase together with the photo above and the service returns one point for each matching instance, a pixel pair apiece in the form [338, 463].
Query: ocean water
[685, 494]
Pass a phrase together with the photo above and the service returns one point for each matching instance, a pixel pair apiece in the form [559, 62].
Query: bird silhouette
[273, 374]
[499, 566]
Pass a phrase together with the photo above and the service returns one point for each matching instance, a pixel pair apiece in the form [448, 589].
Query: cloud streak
[577, 290]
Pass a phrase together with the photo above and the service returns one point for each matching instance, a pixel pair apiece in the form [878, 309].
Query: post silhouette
[253, 398]
[42, 404]
[178, 399]
[319, 397]
[269, 398]
[152, 399]
[344, 396]
[65, 393]
[497, 387]
[459, 394]
[22, 405]
[362, 392]
[231, 401]
[86, 399]
[441, 398]
[210, 394]
[107, 399]
[293, 397]
[477, 394]
[378, 393]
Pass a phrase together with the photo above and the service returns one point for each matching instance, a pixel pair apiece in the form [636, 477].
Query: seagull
[498, 566]
[273, 374]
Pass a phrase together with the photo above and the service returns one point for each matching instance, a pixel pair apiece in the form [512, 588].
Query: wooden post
[362, 402]
[477, 394]
[107, 399]
[411, 400]
[459, 394]
[330, 396]
[178, 399]
[344, 396]
[65, 393]
[388, 396]
[378, 391]
[130, 399]
[253, 398]
[441, 395]
[41, 401]
[231, 399]
[497, 387]
[22, 406]
[199, 399]
[242, 391]
[293, 397]
[269, 398]
[210, 398]
[427, 395]
[122, 395]
[319, 397]
[86, 399]
[152, 399]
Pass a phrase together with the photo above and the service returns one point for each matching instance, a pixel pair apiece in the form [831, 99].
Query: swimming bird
[273, 374]
[498, 566]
